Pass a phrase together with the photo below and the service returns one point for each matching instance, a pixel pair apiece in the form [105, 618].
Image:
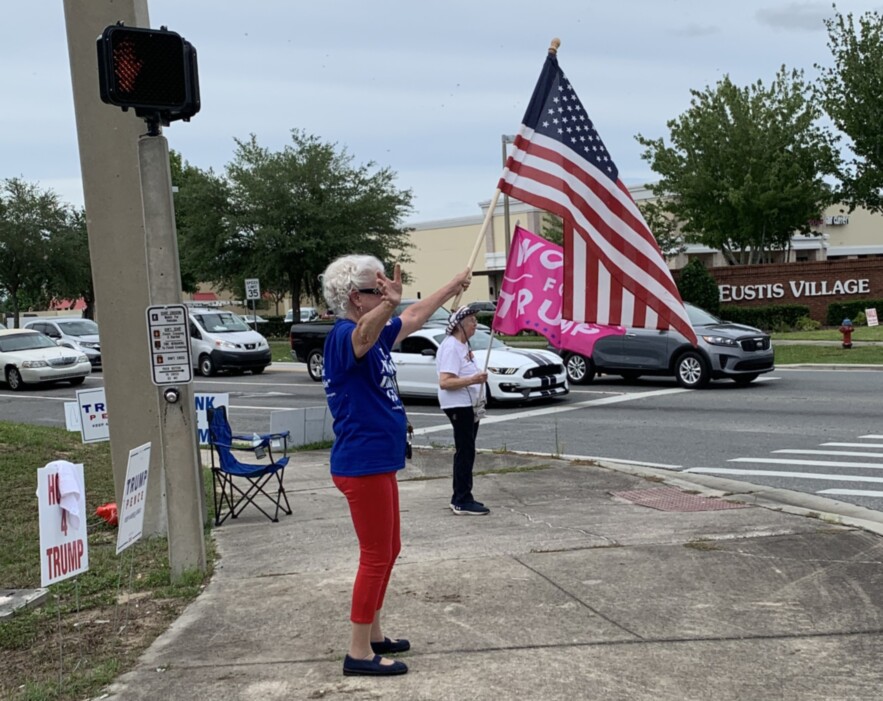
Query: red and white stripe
[614, 272]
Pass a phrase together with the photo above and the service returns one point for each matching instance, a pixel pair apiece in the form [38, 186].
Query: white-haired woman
[459, 389]
[370, 433]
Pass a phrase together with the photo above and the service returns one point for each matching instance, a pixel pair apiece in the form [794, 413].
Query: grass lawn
[94, 625]
[861, 333]
[861, 355]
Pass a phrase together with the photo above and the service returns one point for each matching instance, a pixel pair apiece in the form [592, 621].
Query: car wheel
[77, 381]
[206, 366]
[13, 379]
[257, 371]
[315, 364]
[580, 369]
[745, 380]
[691, 370]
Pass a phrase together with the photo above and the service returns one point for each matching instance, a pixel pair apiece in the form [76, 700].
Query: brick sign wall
[815, 284]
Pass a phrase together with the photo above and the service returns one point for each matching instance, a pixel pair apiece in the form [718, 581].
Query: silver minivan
[72, 332]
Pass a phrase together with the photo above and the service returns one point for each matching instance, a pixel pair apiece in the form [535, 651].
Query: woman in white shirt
[459, 389]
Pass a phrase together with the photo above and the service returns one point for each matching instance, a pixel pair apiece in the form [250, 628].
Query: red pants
[374, 507]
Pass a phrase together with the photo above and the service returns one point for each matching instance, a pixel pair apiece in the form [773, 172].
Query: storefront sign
[797, 289]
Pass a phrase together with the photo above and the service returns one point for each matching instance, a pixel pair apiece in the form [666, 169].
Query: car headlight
[719, 341]
[88, 344]
[82, 359]
[226, 344]
[35, 364]
[503, 371]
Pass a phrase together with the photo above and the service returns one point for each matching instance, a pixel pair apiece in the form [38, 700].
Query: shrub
[781, 317]
[838, 311]
[698, 287]
[486, 318]
[805, 323]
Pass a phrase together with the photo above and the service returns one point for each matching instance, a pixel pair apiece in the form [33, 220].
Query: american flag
[614, 272]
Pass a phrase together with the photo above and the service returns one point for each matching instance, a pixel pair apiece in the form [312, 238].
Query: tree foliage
[745, 168]
[698, 287]
[70, 265]
[852, 94]
[33, 223]
[282, 216]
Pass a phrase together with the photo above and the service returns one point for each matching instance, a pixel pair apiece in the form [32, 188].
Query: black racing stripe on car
[538, 359]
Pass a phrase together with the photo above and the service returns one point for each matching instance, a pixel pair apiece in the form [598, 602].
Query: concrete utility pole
[133, 252]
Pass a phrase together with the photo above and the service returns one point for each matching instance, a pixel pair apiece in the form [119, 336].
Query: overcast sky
[427, 89]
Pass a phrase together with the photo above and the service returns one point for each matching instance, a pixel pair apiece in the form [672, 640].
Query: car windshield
[79, 327]
[440, 315]
[700, 317]
[480, 340]
[221, 322]
[25, 341]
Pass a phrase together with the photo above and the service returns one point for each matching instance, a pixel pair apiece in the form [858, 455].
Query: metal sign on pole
[168, 330]
[252, 293]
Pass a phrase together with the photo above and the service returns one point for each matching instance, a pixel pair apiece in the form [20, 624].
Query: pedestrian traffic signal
[151, 71]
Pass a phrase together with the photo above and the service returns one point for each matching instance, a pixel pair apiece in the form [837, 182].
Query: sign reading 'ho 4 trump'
[531, 297]
[64, 548]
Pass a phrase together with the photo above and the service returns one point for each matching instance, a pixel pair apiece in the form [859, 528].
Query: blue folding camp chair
[237, 484]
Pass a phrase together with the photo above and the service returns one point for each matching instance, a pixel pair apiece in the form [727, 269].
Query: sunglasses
[370, 291]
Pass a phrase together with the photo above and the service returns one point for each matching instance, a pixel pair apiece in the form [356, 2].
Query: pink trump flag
[531, 296]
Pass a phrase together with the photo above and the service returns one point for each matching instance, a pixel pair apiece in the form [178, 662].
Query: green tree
[283, 216]
[201, 220]
[664, 227]
[698, 287]
[71, 268]
[851, 92]
[745, 168]
[29, 220]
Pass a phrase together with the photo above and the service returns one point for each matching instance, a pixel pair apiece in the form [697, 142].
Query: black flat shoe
[387, 646]
[372, 667]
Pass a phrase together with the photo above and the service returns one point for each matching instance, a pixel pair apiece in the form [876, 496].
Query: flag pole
[478, 242]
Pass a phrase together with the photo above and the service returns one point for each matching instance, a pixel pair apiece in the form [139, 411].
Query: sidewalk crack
[578, 600]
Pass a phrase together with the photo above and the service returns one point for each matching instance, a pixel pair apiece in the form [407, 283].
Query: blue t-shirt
[369, 419]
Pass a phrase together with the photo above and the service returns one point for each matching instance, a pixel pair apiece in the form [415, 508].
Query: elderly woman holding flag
[460, 388]
[370, 433]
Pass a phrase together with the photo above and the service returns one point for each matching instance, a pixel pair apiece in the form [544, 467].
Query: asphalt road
[817, 431]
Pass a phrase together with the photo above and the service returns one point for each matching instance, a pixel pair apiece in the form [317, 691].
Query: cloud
[696, 30]
[795, 17]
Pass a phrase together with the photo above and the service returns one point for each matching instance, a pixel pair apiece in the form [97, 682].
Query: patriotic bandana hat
[456, 317]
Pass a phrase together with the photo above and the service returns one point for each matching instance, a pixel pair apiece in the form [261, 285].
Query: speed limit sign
[252, 288]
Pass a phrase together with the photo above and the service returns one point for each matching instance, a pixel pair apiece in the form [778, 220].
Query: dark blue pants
[465, 431]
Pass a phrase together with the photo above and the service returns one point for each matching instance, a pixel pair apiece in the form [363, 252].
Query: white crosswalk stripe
[807, 468]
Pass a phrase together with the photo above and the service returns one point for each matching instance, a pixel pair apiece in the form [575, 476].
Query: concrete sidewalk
[585, 581]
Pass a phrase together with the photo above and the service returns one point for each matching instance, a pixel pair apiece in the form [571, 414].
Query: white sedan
[514, 374]
[30, 357]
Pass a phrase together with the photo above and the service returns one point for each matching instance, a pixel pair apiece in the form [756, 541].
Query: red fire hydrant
[846, 328]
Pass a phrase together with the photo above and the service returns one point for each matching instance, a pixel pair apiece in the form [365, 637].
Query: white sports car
[30, 357]
[514, 374]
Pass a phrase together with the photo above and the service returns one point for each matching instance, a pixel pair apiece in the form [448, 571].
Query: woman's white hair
[345, 274]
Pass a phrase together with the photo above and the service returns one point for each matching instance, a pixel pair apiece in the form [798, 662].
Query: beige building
[442, 247]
